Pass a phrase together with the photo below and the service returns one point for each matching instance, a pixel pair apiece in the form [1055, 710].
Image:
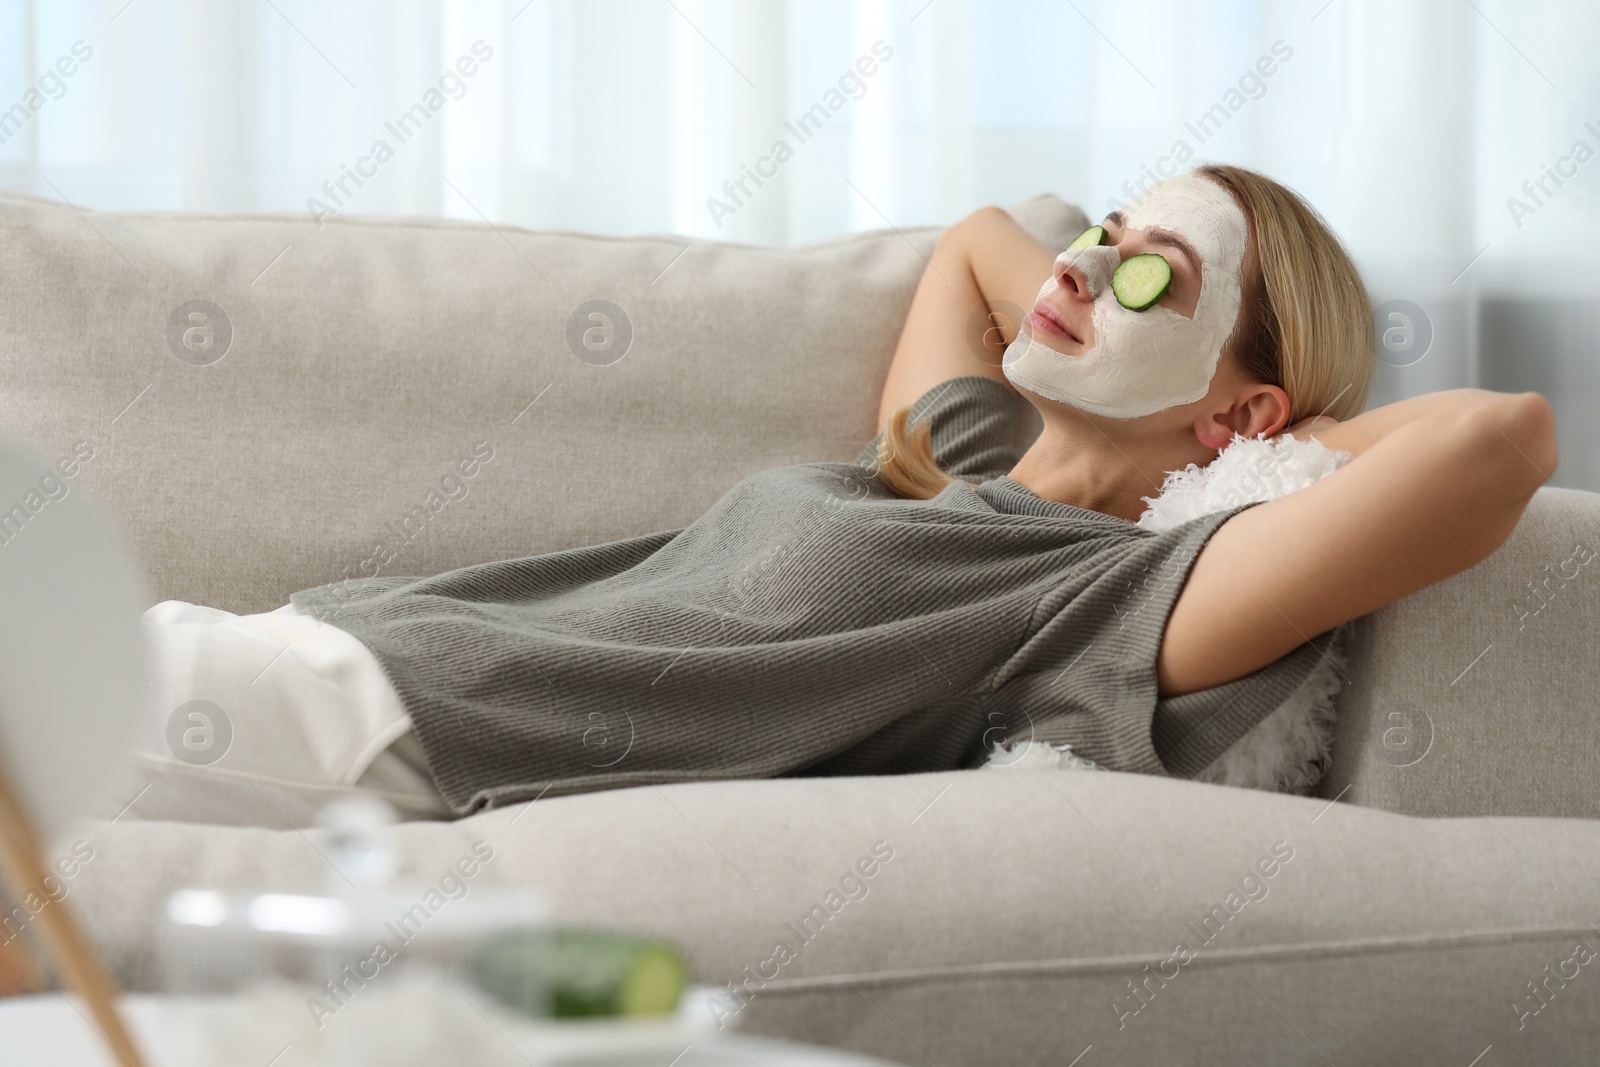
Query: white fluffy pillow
[1289, 750]
[1248, 469]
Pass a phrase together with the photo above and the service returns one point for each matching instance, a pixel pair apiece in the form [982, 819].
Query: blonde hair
[1305, 324]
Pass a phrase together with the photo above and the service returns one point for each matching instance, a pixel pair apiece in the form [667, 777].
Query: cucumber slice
[1094, 235]
[1140, 281]
[572, 972]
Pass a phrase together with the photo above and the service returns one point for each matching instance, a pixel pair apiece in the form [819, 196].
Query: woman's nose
[1086, 273]
[1073, 281]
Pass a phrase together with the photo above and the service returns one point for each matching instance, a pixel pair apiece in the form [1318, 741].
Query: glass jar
[362, 969]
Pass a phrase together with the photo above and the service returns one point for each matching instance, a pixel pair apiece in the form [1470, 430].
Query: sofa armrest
[1477, 695]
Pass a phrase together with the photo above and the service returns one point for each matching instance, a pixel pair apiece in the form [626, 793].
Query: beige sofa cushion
[373, 361]
[1013, 911]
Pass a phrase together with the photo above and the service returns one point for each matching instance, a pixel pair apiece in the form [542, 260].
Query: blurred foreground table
[53, 1030]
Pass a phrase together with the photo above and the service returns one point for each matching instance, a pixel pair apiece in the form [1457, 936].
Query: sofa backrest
[264, 404]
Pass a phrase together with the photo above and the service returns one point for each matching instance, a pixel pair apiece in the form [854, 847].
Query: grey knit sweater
[810, 623]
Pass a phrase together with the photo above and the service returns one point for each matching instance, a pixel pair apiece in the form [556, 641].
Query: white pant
[261, 719]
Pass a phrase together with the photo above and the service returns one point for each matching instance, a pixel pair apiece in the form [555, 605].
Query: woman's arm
[1437, 484]
[984, 268]
[1360, 433]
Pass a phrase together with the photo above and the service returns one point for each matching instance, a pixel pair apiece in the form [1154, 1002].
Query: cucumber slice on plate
[578, 972]
[1139, 282]
[1094, 235]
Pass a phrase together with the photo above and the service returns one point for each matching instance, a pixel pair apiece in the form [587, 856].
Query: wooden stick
[22, 866]
[19, 971]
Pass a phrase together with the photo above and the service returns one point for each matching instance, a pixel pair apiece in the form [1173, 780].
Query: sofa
[270, 402]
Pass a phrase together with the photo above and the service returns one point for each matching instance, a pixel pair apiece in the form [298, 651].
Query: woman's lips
[1044, 317]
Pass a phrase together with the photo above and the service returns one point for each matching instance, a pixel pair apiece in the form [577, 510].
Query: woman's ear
[1257, 410]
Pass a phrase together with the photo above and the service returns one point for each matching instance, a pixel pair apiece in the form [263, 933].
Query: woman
[942, 596]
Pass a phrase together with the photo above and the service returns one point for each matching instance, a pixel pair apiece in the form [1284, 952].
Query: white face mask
[1142, 362]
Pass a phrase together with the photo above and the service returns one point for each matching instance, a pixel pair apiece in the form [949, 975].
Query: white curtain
[1452, 143]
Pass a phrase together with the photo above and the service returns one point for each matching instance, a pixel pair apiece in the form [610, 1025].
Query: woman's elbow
[1541, 419]
[1532, 428]
[988, 213]
[959, 231]
[1514, 442]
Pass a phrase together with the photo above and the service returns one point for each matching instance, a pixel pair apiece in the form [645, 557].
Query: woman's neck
[1082, 466]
